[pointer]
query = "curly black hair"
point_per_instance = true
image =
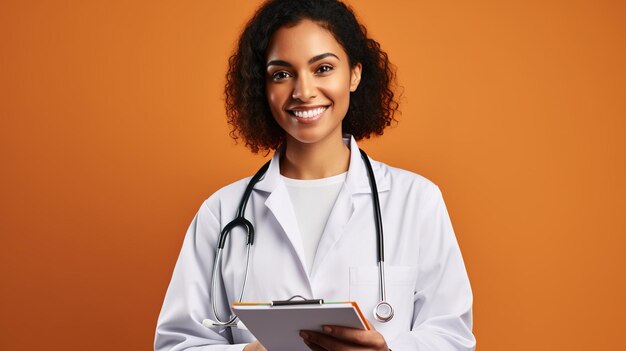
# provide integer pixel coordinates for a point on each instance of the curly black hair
(372, 105)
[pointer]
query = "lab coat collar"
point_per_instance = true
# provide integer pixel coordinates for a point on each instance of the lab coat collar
(356, 179)
(356, 183)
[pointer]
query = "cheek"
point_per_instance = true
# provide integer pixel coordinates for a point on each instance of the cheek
(339, 91)
(271, 97)
(276, 97)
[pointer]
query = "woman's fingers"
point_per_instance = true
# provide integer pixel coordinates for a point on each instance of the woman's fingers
(318, 342)
(341, 338)
(313, 346)
(369, 338)
(254, 346)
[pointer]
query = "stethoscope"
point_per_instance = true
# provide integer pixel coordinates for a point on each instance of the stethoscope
(383, 311)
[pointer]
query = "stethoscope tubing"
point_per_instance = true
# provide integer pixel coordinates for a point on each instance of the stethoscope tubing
(218, 256)
(240, 220)
(379, 226)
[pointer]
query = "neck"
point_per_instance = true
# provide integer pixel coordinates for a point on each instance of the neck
(316, 160)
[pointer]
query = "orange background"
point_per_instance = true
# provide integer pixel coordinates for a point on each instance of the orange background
(113, 133)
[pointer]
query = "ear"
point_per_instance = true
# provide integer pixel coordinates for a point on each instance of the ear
(355, 77)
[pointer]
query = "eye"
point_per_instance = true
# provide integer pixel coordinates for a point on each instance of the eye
(280, 75)
(325, 68)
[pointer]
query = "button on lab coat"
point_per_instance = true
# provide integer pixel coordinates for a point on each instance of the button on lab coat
(426, 280)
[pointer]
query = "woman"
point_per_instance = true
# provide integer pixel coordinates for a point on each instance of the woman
(307, 82)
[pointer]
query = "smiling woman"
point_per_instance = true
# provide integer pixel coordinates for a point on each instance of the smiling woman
(371, 106)
(307, 82)
(309, 93)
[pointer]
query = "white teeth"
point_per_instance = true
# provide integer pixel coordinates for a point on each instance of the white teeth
(309, 113)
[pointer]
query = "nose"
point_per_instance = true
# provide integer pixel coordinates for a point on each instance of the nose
(304, 88)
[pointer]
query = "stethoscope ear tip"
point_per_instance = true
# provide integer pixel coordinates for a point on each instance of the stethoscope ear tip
(208, 323)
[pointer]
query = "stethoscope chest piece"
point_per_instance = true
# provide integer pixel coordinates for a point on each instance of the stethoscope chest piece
(383, 312)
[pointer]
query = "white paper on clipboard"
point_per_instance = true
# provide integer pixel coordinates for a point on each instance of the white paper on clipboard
(278, 327)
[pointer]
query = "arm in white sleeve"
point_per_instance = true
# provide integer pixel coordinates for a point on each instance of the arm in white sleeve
(442, 316)
(187, 301)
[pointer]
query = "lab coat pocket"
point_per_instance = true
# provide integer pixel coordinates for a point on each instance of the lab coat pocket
(400, 289)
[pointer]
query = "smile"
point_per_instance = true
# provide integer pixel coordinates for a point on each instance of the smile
(312, 113)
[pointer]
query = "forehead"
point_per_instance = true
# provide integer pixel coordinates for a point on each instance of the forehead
(301, 42)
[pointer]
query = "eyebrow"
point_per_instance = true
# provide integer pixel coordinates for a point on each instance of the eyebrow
(313, 59)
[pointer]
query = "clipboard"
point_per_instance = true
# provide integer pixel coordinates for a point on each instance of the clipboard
(277, 324)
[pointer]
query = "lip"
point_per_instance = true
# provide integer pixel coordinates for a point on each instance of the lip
(305, 107)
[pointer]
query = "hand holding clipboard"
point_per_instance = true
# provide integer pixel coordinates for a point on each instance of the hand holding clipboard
(278, 325)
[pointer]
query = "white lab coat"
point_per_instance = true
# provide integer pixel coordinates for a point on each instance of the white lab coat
(426, 280)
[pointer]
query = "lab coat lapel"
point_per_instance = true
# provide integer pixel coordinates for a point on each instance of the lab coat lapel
(279, 204)
(339, 221)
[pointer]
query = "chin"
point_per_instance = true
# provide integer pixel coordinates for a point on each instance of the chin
(306, 138)
(311, 136)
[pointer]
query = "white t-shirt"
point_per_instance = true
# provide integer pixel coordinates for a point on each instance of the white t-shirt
(313, 200)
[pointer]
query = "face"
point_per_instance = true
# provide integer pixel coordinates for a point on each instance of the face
(308, 82)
